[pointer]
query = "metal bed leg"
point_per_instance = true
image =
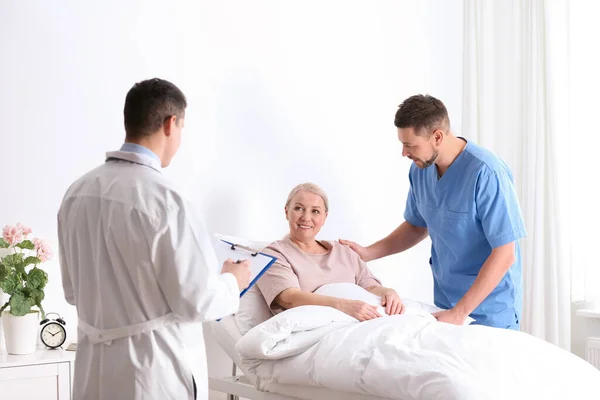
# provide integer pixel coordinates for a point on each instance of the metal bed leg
(233, 372)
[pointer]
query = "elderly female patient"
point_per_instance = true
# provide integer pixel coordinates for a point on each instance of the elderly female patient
(304, 263)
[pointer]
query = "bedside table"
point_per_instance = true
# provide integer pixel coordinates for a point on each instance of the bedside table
(43, 375)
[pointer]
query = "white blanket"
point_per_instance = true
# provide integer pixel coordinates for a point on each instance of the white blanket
(412, 356)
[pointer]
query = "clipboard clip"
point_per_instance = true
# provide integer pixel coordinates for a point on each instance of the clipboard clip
(252, 252)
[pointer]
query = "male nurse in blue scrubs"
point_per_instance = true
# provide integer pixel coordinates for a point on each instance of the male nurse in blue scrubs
(463, 197)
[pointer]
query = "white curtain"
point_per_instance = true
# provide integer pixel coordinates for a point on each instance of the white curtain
(585, 86)
(516, 103)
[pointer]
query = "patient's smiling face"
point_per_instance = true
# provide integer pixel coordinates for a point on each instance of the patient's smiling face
(306, 215)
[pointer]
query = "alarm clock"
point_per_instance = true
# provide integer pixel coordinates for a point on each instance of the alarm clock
(53, 333)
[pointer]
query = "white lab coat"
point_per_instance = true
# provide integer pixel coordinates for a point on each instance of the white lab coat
(138, 263)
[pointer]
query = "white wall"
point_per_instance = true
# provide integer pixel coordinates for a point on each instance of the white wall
(279, 93)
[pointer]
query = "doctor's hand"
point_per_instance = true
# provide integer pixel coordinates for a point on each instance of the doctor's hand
(359, 310)
(451, 316)
(240, 270)
(363, 252)
(392, 303)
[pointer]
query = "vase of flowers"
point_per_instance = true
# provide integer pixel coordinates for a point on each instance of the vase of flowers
(23, 282)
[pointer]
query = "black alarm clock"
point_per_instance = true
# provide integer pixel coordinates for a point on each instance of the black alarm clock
(53, 333)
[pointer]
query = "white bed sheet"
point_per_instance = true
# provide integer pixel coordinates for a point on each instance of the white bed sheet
(227, 334)
(410, 357)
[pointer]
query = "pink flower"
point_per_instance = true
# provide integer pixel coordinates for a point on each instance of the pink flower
(26, 231)
(44, 252)
(12, 235)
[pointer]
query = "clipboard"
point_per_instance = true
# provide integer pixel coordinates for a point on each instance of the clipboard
(259, 262)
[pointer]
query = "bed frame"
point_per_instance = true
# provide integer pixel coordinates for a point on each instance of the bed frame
(236, 386)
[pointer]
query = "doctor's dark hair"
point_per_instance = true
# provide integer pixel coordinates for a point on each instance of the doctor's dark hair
(423, 113)
(149, 104)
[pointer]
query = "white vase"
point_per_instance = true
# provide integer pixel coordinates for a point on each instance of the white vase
(20, 333)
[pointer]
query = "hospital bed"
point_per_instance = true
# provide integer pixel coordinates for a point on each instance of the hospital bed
(226, 333)
(544, 371)
(417, 366)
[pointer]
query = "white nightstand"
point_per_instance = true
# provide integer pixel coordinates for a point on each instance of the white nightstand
(43, 375)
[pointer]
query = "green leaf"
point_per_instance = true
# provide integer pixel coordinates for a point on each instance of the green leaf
(20, 270)
(37, 296)
(3, 308)
(10, 284)
(3, 244)
(13, 260)
(3, 272)
(31, 260)
(20, 305)
(37, 278)
(26, 244)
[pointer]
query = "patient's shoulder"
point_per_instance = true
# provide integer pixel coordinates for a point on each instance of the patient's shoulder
(278, 245)
(335, 244)
(345, 251)
(278, 249)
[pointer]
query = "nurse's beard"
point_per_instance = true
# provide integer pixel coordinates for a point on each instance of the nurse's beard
(429, 162)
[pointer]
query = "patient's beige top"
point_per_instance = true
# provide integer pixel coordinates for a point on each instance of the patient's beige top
(296, 269)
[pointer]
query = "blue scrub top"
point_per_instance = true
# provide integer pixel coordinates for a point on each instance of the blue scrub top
(470, 210)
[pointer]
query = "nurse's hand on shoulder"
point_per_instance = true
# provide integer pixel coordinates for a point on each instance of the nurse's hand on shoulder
(451, 316)
(392, 303)
(358, 309)
(241, 271)
(363, 252)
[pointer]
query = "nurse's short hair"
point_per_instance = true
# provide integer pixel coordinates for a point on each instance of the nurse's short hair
(311, 188)
(149, 104)
(423, 113)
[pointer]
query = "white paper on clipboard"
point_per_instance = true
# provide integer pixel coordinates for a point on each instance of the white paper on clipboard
(259, 262)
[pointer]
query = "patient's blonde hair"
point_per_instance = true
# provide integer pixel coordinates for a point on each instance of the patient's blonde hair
(311, 188)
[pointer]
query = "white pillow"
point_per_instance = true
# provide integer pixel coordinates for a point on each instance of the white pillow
(254, 309)
(351, 291)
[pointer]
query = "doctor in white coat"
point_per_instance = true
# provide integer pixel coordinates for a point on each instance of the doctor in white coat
(138, 263)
